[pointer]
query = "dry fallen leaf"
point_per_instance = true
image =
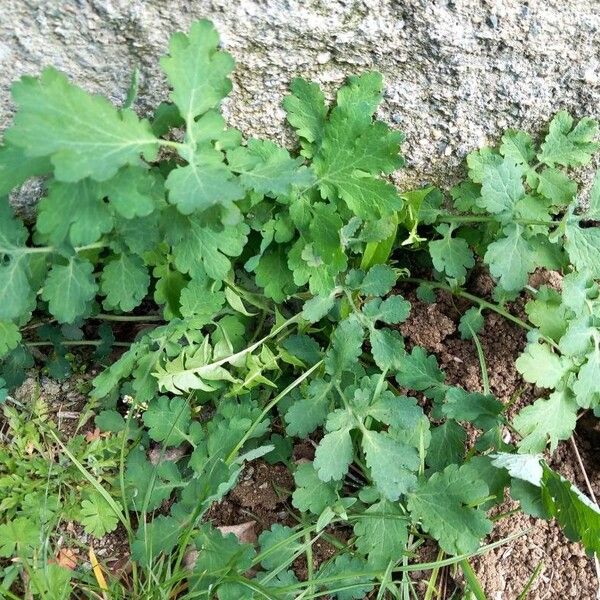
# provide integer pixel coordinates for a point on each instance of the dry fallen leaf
(66, 558)
(92, 436)
(159, 454)
(244, 532)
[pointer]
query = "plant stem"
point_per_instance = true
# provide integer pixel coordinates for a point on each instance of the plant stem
(128, 319)
(77, 343)
(310, 568)
(172, 144)
(430, 591)
(484, 219)
(485, 380)
(50, 249)
(474, 585)
(524, 594)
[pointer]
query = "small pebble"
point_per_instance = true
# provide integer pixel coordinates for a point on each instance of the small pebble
(323, 57)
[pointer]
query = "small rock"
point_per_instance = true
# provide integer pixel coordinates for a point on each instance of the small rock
(244, 532)
(590, 75)
(323, 58)
(492, 21)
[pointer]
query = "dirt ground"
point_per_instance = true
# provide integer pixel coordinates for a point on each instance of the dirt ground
(504, 572)
(262, 497)
(566, 571)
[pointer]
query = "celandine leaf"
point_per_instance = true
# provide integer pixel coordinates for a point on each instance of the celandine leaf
(84, 135)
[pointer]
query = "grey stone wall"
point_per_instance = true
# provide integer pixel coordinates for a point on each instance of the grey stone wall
(457, 71)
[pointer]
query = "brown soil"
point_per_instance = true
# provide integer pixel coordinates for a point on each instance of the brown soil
(263, 493)
(261, 496)
(504, 572)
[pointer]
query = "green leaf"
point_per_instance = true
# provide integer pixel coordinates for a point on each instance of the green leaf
(18, 537)
(266, 168)
(197, 70)
(312, 494)
(578, 516)
(392, 463)
(152, 539)
(421, 373)
(496, 479)
(471, 322)
(593, 208)
(277, 546)
(387, 348)
(556, 186)
(147, 486)
(53, 581)
(577, 339)
(110, 420)
(355, 151)
(583, 246)
(465, 197)
(69, 289)
(198, 299)
(392, 310)
(325, 232)
(15, 366)
(16, 168)
(447, 445)
(529, 498)
(451, 255)
(168, 420)
(587, 385)
(317, 307)
(210, 248)
(539, 365)
(303, 347)
(124, 282)
(97, 516)
(568, 145)
(13, 233)
(202, 183)
(526, 467)
(10, 336)
(74, 212)
(382, 534)
(546, 421)
(134, 191)
(334, 455)
(502, 187)
(354, 587)
(517, 146)
(218, 555)
(510, 259)
(547, 494)
(84, 135)
(547, 313)
(306, 414)
(346, 347)
(367, 198)
(306, 112)
(445, 506)
(16, 295)
(379, 281)
(273, 275)
(480, 160)
(578, 288)
(481, 410)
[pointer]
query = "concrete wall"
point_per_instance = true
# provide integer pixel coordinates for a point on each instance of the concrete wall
(457, 71)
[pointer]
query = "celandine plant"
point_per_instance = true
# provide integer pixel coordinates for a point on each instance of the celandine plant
(265, 283)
